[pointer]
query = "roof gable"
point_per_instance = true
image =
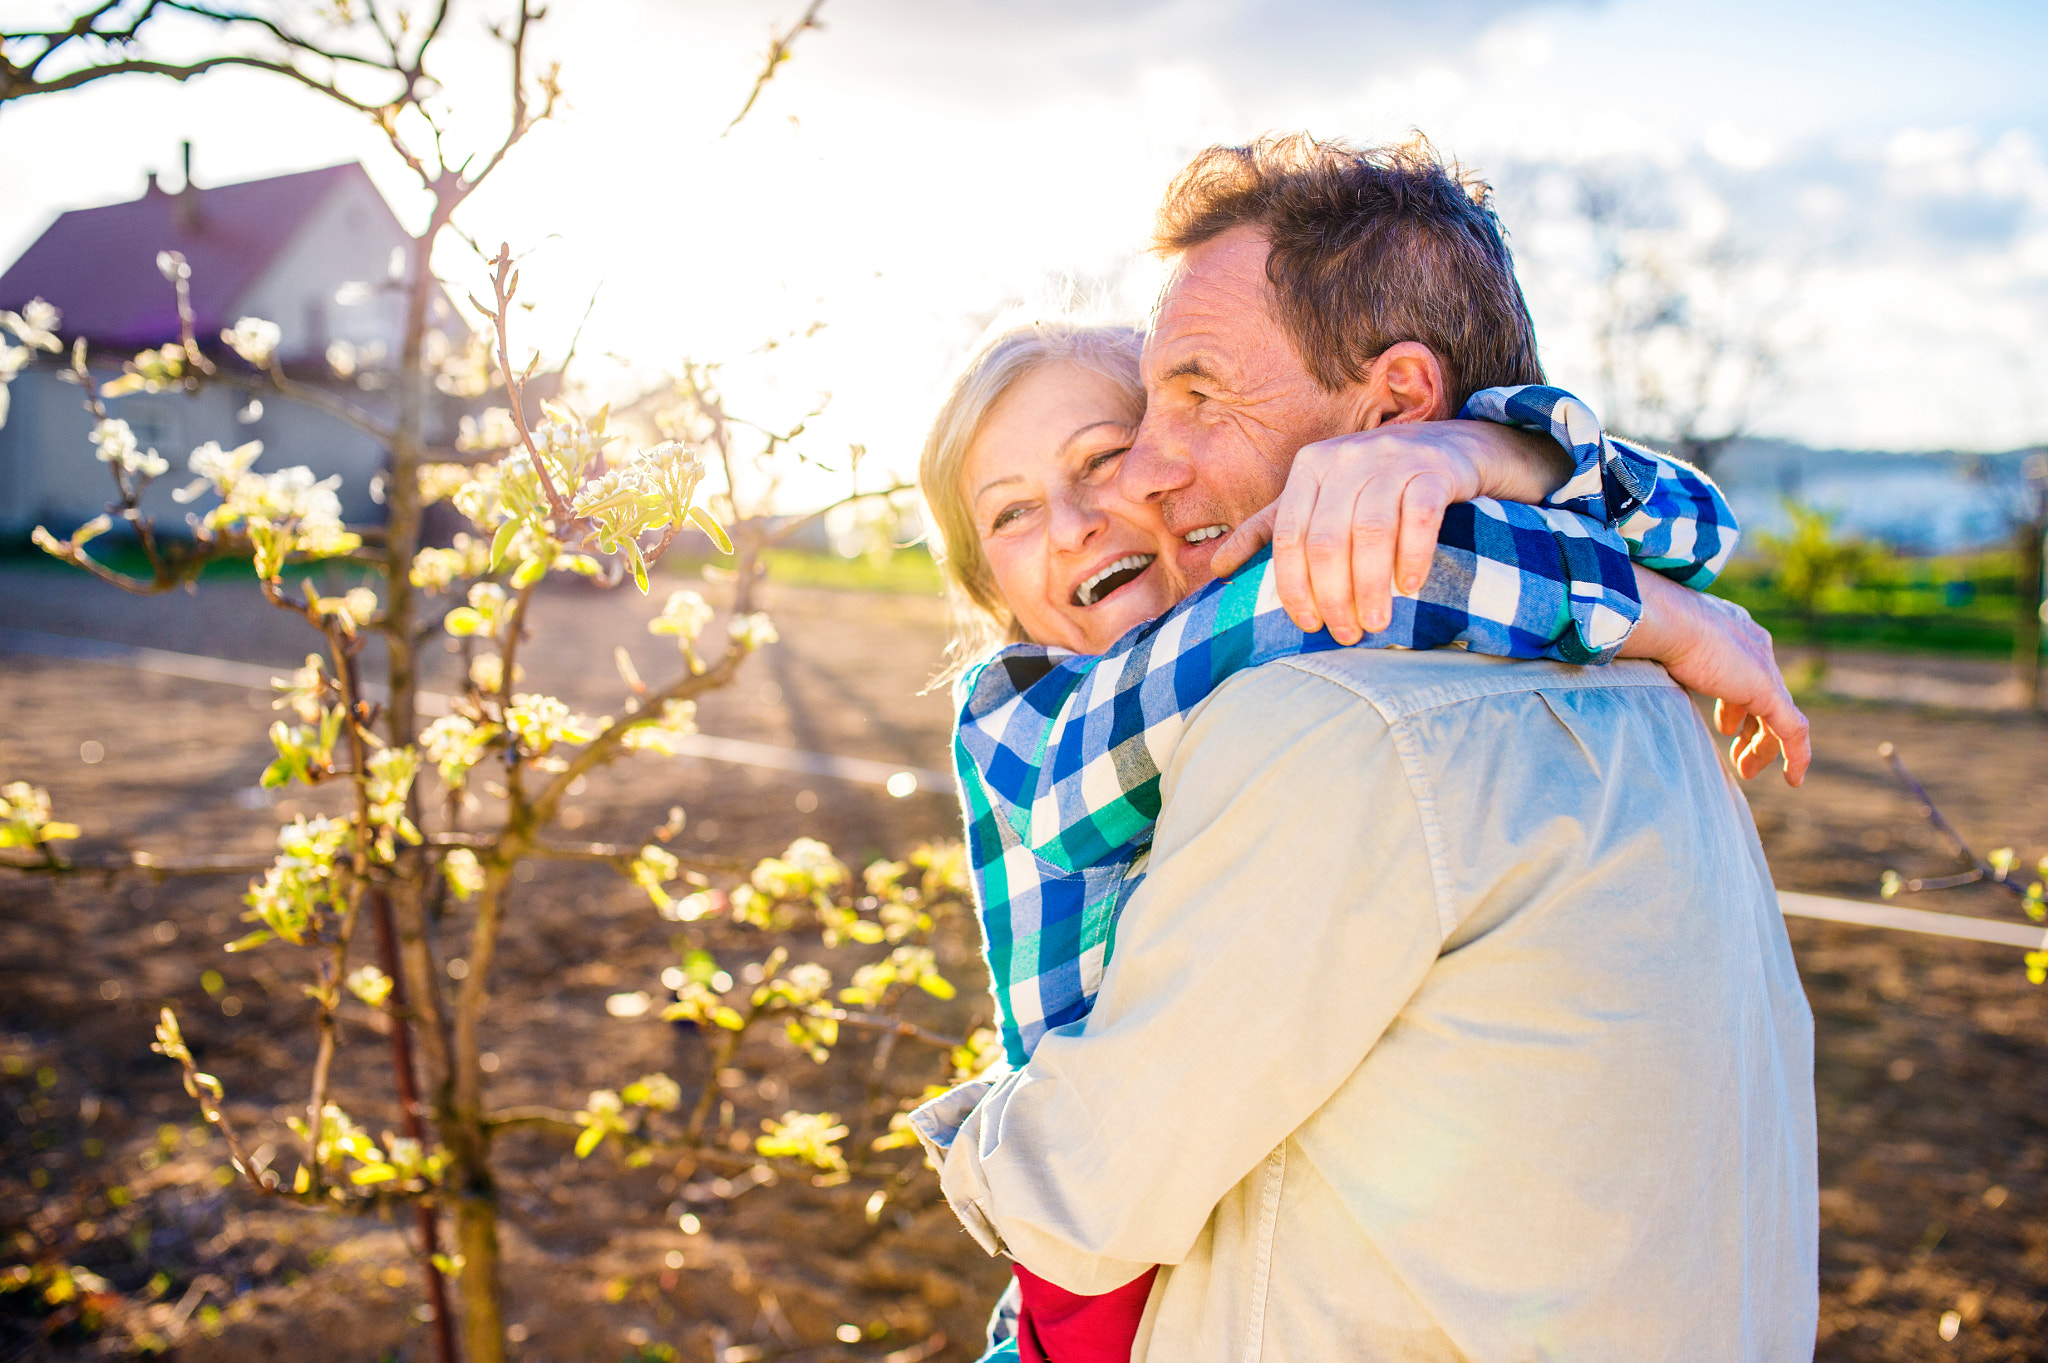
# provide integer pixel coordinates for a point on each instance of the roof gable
(98, 265)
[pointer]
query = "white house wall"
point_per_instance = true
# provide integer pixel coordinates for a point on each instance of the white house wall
(348, 239)
(48, 475)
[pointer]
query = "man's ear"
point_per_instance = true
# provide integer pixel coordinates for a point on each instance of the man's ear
(1406, 383)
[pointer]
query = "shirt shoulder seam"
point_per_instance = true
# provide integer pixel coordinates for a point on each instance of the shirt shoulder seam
(1414, 772)
(1507, 679)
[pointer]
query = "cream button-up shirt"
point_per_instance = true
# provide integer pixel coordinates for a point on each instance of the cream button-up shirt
(1455, 1019)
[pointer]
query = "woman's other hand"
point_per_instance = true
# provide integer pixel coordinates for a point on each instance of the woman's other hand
(1712, 647)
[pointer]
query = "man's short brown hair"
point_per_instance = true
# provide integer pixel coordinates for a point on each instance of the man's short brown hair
(1369, 248)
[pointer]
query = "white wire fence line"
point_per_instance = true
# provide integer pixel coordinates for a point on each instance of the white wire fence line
(904, 781)
(897, 780)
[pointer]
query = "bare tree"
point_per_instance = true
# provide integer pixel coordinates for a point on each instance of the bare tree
(1683, 354)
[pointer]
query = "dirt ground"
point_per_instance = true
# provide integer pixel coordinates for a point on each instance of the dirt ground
(1931, 1052)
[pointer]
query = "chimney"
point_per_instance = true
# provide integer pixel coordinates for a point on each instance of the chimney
(154, 188)
(188, 197)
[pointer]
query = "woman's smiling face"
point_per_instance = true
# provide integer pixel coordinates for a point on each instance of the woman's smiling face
(1077, 564)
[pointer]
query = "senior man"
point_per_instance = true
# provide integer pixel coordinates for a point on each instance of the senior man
(1455, 1018)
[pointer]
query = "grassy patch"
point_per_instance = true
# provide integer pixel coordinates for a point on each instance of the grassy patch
(1957, 604)
(906, 572)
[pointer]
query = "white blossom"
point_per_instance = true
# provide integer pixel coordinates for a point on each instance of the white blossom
(118, 445)
(684, 616)
(218, 468)
(286, 495)
(678, 721)
(369, 984)
(463, 872)
(494, 430)
(254, 339)
(753, 631)
(35, 325)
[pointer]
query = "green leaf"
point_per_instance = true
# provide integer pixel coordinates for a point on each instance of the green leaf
(501, 542)
(529, 572)
(591, 1138)
(712, 528)
(330, 729)
(254, 939)
(374, 1173)
(938, 986)
(277, 773)
(639, 564)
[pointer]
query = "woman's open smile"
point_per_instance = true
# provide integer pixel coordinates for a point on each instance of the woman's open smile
(1077, 564)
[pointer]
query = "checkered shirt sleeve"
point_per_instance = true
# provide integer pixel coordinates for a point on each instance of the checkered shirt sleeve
(1671, 516)
(1059, 754)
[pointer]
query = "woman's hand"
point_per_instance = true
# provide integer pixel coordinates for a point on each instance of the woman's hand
(1361, 513)
(1712, 646)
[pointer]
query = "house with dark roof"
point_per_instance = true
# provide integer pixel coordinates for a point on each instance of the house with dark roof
(319, 253)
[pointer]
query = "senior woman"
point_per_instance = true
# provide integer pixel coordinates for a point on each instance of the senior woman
(1079, 651)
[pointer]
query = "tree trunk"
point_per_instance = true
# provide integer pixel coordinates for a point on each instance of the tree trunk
(476, 1240)
(402, 487)
(2026, 633)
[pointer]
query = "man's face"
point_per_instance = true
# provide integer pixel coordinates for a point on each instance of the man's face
(1228, 402)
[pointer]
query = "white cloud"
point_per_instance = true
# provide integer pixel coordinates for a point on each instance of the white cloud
(922, 164)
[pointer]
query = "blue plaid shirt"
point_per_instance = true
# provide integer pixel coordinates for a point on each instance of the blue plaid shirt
(1059, 754)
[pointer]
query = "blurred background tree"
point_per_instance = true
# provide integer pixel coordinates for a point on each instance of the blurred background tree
(1685, 346)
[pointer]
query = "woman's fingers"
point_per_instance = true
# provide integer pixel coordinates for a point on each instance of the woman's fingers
(1291, 517)
(1755, 748)
(1240, 544)
(1423, 503)
(1774, 728)
(1791, 733)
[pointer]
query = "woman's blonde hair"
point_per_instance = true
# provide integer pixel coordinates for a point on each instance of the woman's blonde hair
(982, 619)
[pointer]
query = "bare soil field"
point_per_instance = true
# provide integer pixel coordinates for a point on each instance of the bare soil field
(1931, 1053)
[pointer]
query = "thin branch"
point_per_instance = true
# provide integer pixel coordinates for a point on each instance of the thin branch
(504, 284)
(158, 868)
(606, 745)
(783, 532)
(779, 51)
(522, 122)
(229, 18)
(873, 1022)
(1984, 870)
(307, 395)
(11, 89)
(530, 1115)
(620, 855)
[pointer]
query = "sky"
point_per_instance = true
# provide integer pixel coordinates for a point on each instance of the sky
(1865, 186)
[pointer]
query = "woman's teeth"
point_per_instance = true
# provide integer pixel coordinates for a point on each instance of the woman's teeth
(1207, 532)
(1109, 579)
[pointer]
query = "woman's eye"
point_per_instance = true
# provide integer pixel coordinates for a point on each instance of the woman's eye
(1106, 460)
(1006, 516)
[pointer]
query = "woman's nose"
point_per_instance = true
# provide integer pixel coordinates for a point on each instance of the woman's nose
(1076, 519)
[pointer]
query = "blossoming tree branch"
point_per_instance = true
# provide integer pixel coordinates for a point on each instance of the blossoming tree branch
(561, 492)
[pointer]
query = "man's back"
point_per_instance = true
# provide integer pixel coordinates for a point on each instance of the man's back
(1589, 1132)
(1477, 969)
